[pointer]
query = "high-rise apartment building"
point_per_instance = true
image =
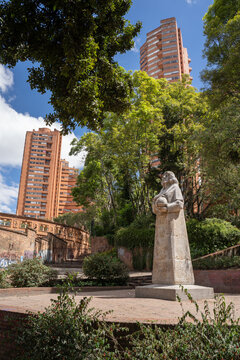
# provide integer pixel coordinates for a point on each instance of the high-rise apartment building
(163, 54)
(44, 179)
(68, 177)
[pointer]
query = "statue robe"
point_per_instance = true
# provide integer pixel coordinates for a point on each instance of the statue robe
(171, 261)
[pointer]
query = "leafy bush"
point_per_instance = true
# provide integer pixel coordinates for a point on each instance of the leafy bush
(139, 238)
(217, 262)
(4, 283)
(105, 224)
(66, 330)
(142, 259)
(108, 222)
(30, 272)
(140, 233)
(72, 331)
(211, 235)
(103, 266)
(211, 337)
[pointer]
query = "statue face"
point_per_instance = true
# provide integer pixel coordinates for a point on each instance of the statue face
(165, 179)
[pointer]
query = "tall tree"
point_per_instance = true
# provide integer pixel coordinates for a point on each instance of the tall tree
(220, 144)
(118, 156)
(221, 137)
(73, 44)
(183, 113)
(222, 50)
(118, 166)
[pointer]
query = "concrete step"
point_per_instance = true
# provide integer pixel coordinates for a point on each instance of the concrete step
(140, 280)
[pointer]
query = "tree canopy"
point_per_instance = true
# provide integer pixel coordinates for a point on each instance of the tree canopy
(221, 138)
(222, 50)
(119, 173)
(72, 45)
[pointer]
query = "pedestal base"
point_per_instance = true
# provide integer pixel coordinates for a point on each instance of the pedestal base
(170, 292)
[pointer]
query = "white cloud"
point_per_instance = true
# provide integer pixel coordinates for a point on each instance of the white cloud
(74, 161)
(8, 196)
(13, 127)
(135, 47)
(190, 2)
(6, 78)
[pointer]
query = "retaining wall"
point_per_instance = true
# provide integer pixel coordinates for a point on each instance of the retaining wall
(223, 281)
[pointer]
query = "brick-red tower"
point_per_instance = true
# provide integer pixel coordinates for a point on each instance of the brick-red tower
(45, 179)
(163, 54)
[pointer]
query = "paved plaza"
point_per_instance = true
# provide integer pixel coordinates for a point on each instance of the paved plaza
(126, 308)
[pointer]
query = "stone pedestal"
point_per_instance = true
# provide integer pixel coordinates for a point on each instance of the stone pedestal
(170, 292)
(171, 261)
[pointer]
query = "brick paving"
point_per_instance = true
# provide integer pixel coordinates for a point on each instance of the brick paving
(125, 307)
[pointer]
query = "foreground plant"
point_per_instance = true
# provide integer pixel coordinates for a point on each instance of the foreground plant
(67, 330)
(216, 335)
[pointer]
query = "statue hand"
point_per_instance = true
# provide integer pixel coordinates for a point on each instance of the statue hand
(163, 209)
(175, 206)
(160, 210)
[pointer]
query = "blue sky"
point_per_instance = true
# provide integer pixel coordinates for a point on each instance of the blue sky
(23, 109)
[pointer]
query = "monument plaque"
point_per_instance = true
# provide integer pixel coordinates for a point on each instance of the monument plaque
(172, 265)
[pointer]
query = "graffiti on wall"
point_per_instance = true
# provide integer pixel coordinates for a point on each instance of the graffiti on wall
(28, 254)
(4, 263)
(45, 255)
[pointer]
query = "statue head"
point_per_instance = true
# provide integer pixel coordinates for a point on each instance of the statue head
(168, 179)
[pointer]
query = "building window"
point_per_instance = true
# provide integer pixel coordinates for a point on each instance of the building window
(154, 33)
(169, 57)
(169, 36)
(167, 32)
(154, 52)
(173, 78)
(169, 46)
(5, 222)
(153, 57)
(169, 42)
(155, 72)
(170, 62)
(170, 73)
(169, 51)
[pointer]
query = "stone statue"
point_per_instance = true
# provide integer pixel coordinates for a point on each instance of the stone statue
(172, 261)
(170, 198)
(172, 264)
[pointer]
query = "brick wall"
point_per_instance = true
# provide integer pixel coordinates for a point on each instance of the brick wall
(9, 325)
(223, 281)
(99, 244)
(16, 245)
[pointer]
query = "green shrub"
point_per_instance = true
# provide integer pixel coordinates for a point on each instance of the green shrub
(139, 234)
(212, 337)
(211, 235)
(66, 330)
(30, 272)
(217, 262)
(71, 331)
(4, 283)
(105, 267)
(142, 259)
